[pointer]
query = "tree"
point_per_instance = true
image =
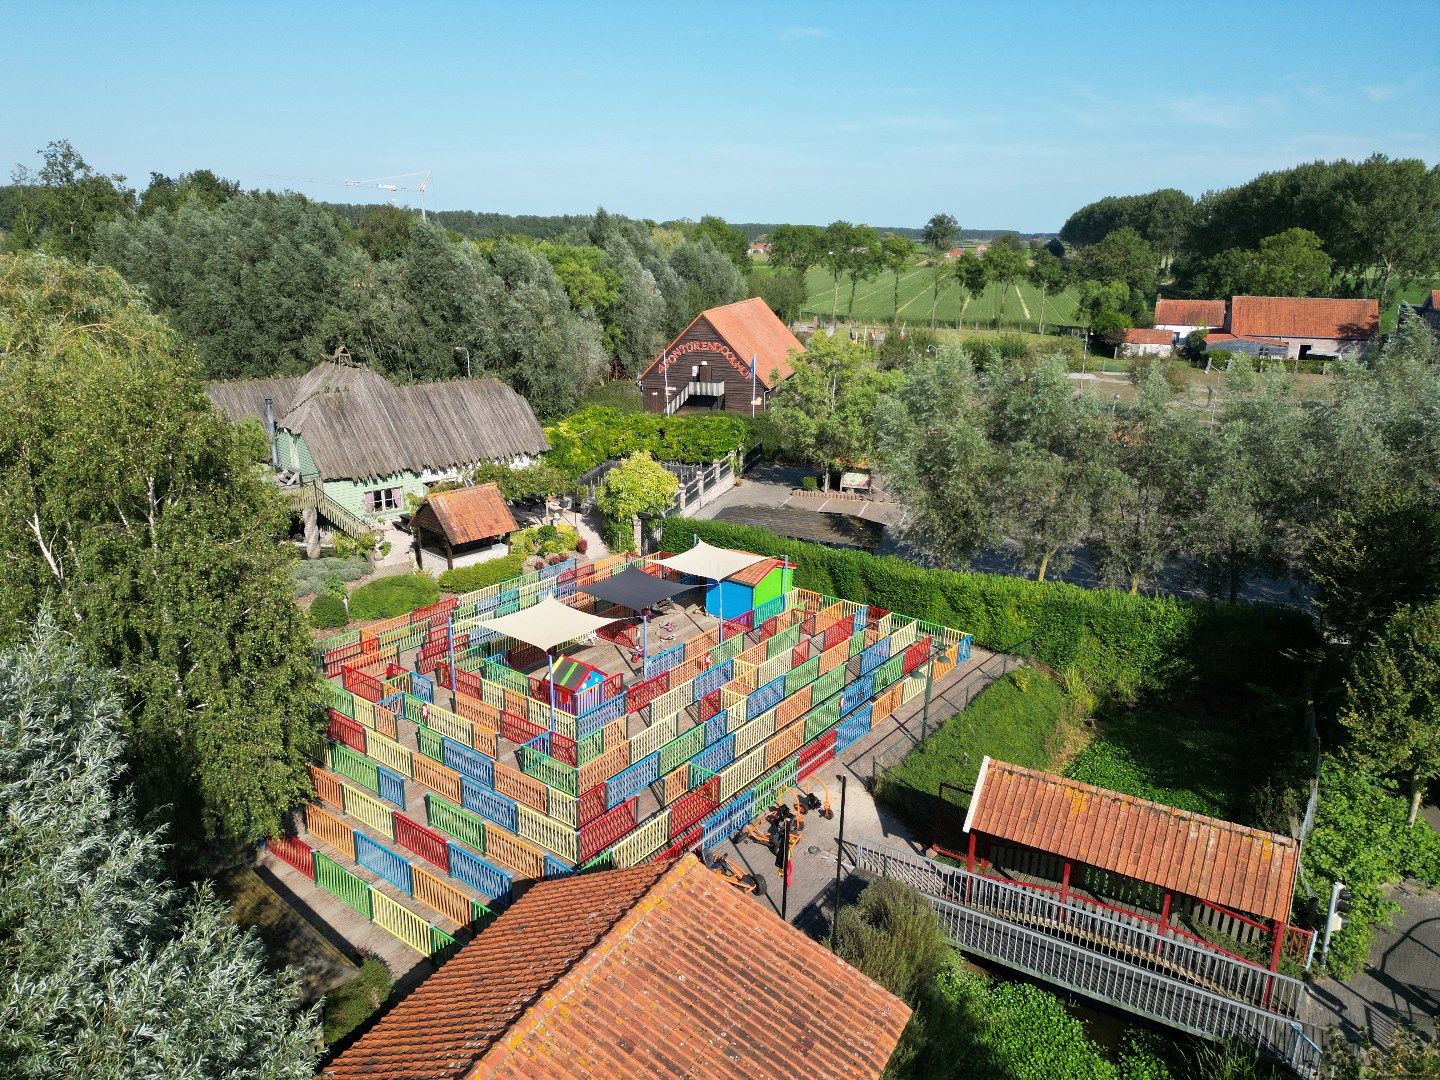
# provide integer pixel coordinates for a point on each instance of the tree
(1004, 265)
(784, 292)
(824, 411)
(1162, 218)
(839, 238)
(707, 278)
(639, 488)
(201, 186)
(383, 232)
(1046, 505)
(797, 247)
(136, 979)
(1392, 700)
(66, 202)
(973, 275)
(135, 511)
(940, 233)
(1045, 274)
(863, 260)
(1369, 561)
(1291, 263)
(931, 447)
(1102, 306)
(1122, 255)
(896, 252)
(728, 240)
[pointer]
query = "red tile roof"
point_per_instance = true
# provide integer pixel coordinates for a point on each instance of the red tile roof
(466, 515)
(754, 573)
(1303, 317)
(1435, 299)
(1241, 868)
(1190, 312)
(1140, 335)
(660, 970)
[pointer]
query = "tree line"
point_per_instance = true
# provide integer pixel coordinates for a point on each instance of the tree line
(267, 284)
(1344, 228)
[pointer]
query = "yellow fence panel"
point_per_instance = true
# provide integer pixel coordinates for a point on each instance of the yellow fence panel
(544, 830)
(643, 842)
(389, 753)
(370, 811)
(652, 738)
(400, 921)
(564, 808)
(741, 773)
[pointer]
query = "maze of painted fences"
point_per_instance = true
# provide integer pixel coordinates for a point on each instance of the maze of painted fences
(696, 761)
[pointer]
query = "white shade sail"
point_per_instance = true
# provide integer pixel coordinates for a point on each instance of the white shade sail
(714, 563)
(546, 624)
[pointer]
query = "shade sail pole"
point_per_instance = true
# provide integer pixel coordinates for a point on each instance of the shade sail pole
(645, 644)
(454, 682)
(720, 591)
(550, 678)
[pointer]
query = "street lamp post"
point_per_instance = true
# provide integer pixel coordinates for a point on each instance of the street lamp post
(463, 349)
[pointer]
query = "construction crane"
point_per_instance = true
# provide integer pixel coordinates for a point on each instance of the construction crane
(385, 183)
(380, 183)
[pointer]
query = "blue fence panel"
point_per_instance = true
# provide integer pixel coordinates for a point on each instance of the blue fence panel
(489, 804)
(628, 781)
(874, 656)
(769, 609)
(716, 757)
(856, 693)
(852, 727)
(767, 697)
(666, 659)
(422, 686)
(395, 703)
(392, 786)
(962, 649)
(477, 873)
(379, 858)
(711, 679)
(556, 868)
(727, 821)
(590, 722)
(466, 761)
(862, 617)
(716, 727)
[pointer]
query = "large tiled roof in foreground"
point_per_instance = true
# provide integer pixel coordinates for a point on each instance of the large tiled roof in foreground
(1304, 317)
(1241, 868)
(663, 969)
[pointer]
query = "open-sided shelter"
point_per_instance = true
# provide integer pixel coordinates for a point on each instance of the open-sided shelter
(548, 625)
(466, 524)
(633, 588)
(663, 969)
(714, 564)
(730, 357)
(1187, 857)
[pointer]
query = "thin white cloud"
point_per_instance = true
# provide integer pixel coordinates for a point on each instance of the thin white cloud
(803, 33)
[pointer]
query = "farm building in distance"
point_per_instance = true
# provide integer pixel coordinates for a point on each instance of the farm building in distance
(657, 970)
(1428, 312)
(1140, 341)
(360, 444)
(1182, 317)
(708, 365)
(1305, 325)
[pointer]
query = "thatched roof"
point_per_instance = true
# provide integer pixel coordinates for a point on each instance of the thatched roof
(357, 425)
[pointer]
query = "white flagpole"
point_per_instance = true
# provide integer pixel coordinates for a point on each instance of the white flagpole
(752, 386)
(665, 370)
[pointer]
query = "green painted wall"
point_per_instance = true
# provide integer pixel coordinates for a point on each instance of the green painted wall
(773, 584)
(351, 494)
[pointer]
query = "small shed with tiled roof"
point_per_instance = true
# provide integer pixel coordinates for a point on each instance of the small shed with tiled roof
(708, 365)
(1185, 856)
(462, 523)
(1143, 341)
(1183, 316)
(662, 969)
(747, 589)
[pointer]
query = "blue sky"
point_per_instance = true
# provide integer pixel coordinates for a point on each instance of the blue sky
(1004, 114)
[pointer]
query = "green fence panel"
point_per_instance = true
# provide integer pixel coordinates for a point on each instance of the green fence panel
(429, 743)
(682, 749)
(889, 673)
(543, 767)
(800, 676)
(354, 766)
(590, 747)
(455, 821)
(342, 884)
(829, 684)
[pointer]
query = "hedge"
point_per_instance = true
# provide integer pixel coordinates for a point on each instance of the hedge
(1121, 645)
(327, 612)
(390, 596)
(465, 579)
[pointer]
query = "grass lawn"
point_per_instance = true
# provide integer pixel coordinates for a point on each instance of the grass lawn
(1019, 719)
(875, 300)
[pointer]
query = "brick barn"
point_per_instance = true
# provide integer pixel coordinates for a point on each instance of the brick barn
(707, 366)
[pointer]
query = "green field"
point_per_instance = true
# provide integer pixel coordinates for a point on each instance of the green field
(875, 301)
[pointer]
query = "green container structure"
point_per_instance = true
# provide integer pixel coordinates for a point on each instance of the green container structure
(748, 589)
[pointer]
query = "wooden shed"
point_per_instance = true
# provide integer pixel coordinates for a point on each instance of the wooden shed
(748, 589)
(708, 366)
(469, 521)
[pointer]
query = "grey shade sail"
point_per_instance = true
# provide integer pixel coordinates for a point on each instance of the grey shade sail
(633, 588)
(706, 561)
(546, 624)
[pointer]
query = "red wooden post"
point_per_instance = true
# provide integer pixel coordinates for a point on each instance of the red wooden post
(1065, 884)
(1278, 931)
(970, 857)
(1164, 918)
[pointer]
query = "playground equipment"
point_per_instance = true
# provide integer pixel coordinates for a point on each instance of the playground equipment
(810, 801)
(771, 828)
(747, 882)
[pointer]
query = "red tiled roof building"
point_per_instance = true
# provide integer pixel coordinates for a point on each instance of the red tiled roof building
(708, 363)
(663, 969)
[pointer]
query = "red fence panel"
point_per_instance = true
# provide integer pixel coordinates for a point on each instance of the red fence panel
(642, 693)
(710, 704)
(362, 683)
(518, 729)
(347, 731)
(689, 809)
(815, 755)
(592, 803)
(296, 852)
(607, 828)
(916, 655)
(425, 842)
(683, 844)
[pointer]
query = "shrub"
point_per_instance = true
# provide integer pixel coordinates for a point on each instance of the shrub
(387, 597)
(597, 434)
(464, 579)
(311, 575)
(351, 1004)
(545, 540)
(809, 483)
(1120, 645)
(328, 612)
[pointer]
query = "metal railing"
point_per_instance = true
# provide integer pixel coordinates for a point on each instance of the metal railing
(1173, 982)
